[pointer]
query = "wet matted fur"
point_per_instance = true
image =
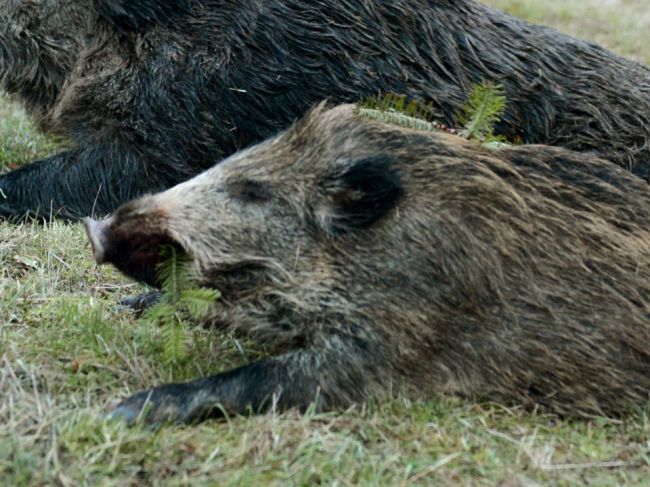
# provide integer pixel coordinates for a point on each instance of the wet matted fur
(152, 92)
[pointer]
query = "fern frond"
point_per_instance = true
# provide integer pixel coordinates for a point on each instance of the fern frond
(496, 142)
(174, 272)
(198, 302)
(484, 108)
(173, 338)
(393, 109)
(157, 313)
(180, 301)
(396, 118)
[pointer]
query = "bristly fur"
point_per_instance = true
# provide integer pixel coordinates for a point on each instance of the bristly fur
(519, 275)
(152, 92)
(132, 16)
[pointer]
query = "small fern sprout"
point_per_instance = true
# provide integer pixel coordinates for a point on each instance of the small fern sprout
(484, 108)
(394, 110)
(181, 302)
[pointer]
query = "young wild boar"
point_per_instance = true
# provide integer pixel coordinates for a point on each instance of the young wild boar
(384, 260)
(154, 91)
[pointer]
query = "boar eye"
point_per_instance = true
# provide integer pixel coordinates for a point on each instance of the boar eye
(250, 191)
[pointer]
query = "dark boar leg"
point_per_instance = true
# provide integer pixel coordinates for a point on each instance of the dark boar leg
(334, 377)
(80, 182)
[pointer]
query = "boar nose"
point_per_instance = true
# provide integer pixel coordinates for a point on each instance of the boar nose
(97, 232)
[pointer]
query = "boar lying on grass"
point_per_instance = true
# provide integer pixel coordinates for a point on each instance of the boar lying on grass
(385, 260)
(152, 92)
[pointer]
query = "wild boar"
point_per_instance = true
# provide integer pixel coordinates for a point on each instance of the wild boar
(150, 93)
(380, 260)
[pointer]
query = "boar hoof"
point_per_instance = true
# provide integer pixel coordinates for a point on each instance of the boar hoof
(155, 406)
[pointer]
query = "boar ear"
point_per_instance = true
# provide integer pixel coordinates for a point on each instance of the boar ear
(361, 195)
(129, 15)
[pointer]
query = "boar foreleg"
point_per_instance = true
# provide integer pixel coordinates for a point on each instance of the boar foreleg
(93, 180)
(325, 378)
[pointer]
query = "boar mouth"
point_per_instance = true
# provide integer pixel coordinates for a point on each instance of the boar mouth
(136, 250)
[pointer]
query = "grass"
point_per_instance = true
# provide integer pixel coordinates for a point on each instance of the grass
(20, 143)
(621, 25)
(67, 353)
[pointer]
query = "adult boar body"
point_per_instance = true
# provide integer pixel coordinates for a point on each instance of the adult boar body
(150, 93)
(378, 260)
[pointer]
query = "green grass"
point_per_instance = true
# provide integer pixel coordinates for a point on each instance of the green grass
(67, 354)
(19, 141)
(620, 25)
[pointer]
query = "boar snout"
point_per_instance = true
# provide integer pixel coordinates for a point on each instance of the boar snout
(97, 231)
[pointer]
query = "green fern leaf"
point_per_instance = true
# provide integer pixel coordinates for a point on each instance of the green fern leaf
(180, 301)
(198, 302)
(393, 110)
(484, 108)
(173, 335)
(174, 272)
(157, 313)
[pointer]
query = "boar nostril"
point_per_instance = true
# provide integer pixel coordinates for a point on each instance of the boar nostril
(96, 231)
